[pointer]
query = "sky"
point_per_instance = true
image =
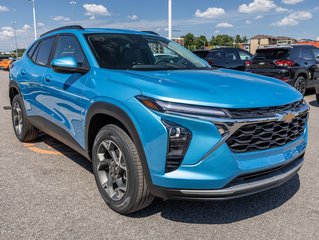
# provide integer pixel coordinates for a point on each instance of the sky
(293, 18)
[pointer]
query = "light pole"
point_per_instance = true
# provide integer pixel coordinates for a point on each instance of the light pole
(73, 3)
(170, 19)
(34, 20)
(15, 32)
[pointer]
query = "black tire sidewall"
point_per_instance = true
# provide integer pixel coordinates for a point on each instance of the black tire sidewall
(129, 199)
(301, 78)
(22, 135)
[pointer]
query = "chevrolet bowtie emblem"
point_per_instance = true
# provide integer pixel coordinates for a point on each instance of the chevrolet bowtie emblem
(288, 117)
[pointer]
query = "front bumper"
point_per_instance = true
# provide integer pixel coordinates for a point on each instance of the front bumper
(258, 182)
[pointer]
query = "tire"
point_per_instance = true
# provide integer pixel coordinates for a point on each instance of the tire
(301, 84)
(317, 97)
(23, 129)
(120, 180)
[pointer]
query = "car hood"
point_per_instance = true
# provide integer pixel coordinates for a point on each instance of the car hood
(218, 88)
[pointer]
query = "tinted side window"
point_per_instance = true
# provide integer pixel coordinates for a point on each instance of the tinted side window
(244, 56)
(44, 51)
(216, 54)
(201, 54)
(68, 46)
(231, 55)
(316, 53)
(307, 54)
(32, 49)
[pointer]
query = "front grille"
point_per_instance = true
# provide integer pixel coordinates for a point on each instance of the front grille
(266, 135)
(264, 111)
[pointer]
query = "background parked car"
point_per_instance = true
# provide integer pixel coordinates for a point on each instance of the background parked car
(5, 63)
(295, 64)
(232, 58)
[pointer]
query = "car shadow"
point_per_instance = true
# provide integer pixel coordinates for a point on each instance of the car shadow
(222, 212)
(314, 103)
(64, 150)
(197, 212)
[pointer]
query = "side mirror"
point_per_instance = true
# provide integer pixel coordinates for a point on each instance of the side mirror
(66, 65)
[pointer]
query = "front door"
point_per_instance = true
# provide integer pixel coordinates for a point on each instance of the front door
(64, 91)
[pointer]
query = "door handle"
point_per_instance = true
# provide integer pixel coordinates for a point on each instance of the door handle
(23, 72)
(48, 78)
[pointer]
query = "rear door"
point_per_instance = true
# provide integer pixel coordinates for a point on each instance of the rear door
(63, 92)
(308, 60)
(216, 58)
(316, 70)
(232, 59)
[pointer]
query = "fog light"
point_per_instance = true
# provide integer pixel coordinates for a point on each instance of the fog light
(178, 142)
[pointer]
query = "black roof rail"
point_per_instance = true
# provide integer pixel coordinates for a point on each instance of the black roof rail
(76, 27)
(151, 32)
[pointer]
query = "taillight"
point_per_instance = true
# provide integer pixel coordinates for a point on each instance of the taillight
(284, 63)
(210, 62)
(248, 63)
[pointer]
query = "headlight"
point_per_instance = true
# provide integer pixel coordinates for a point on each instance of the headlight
(179, 108)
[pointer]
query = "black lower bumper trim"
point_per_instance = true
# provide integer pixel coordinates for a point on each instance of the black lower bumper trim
(253, 186)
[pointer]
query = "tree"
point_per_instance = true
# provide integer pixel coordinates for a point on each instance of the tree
(189, 40)
(20, 52)
(222, 40)
(201, 42)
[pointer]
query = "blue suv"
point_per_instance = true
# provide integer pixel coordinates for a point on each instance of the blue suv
(155, 119)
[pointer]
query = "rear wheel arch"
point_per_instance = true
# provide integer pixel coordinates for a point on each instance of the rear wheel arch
(13, 90)
(108, 113)
(302, 73)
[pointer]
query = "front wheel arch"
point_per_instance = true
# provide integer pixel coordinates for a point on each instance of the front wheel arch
(122, 119)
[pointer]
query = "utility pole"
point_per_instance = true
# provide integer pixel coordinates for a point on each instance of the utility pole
(170, 19)
(15, 32)
(73, 3)
(34, 20)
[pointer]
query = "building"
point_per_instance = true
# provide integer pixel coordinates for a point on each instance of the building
(261, 40)
(245, 46)
(179, 41)
(264, 40)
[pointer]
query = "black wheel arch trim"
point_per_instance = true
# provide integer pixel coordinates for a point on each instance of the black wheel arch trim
(120, 115)
(301, 71)
(14, 85)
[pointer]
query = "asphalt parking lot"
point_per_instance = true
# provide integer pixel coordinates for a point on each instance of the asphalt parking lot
(47, 191)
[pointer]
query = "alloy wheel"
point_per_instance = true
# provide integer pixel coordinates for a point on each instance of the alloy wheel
(301, 85)
(112, 171)
(17, 118)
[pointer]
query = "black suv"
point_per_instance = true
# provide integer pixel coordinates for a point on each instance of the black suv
(232, 58)
(295, 64)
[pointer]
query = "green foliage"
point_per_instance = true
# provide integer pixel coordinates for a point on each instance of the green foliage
(192, 42)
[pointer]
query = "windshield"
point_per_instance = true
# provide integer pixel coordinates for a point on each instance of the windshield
(142, 52)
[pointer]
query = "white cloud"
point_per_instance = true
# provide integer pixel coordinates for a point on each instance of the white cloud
(210, 13)
(292, 1)
(133, 17)
(60, 18)
(26, 27)
(257, 6)
(293, 19)
(40, 25)
(217, 31)
(95, 9)
(248, 22)
(259, 17)
(224, 25)
(281, 9)
(7, 28)
(4, 8)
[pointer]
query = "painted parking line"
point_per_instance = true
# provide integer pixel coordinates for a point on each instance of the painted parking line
(50, 147)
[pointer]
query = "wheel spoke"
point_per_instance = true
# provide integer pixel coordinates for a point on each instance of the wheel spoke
(112, 169)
